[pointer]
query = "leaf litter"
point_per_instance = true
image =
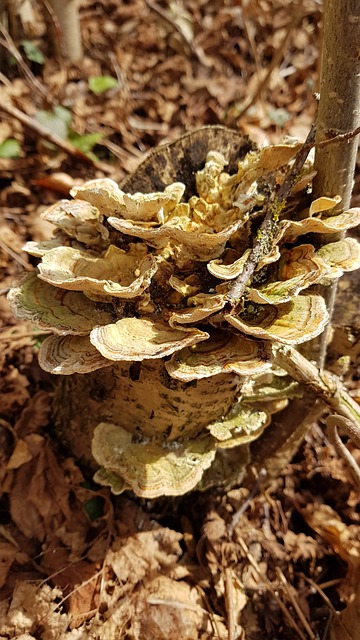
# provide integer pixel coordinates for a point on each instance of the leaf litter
(74, 561)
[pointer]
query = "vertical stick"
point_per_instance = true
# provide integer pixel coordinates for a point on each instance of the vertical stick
(339, 106)
(339, 112)
(67, 12)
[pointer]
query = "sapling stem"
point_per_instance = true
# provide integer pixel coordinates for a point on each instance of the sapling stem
(338, 113)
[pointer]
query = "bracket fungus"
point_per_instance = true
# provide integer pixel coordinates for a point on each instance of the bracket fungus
(163, 383)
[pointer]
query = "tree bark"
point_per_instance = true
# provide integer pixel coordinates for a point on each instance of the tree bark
(339, 112)
(68, 16)
(339, 106)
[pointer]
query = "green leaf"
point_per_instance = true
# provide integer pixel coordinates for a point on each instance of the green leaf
(279, 116)
(100, 84)
(32, 52)
(94, 507)
(57, 120)
(85, 143)
(10, 148)
(64, 114)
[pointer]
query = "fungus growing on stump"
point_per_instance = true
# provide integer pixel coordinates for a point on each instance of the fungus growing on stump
(160, 372)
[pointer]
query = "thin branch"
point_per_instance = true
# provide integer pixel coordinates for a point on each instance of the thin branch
(274, 592)
(7, 42)
(291, 593)
(46, 134)
(323, 384)
(339, 137)
(270, 223)
(332, 424)
(229, 599)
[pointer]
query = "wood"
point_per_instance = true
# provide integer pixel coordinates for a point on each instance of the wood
(338, 114)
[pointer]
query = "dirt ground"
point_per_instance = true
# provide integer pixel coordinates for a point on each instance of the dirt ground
(76, 562)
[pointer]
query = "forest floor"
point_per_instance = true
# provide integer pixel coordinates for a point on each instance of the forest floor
(76, 562)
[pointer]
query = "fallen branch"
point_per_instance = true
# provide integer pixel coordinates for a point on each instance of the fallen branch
(46, 134)
(264, 241)
(324, 385)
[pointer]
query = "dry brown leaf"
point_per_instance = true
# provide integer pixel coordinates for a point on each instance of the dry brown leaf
(347, 625)
(9, 553)
(41, 502)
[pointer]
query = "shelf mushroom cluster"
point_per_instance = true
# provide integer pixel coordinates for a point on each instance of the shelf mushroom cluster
(144, 278)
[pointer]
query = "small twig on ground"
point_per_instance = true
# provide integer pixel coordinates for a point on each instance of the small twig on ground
(229, 599)
(236, 517)
(332, 424)
(269, 586)
(292, 597)
(53, 24)
(18, 258)
(7, 42)
(270, 223)
(42, 132)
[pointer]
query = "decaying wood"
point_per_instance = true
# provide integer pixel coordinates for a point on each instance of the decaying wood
(270, 223)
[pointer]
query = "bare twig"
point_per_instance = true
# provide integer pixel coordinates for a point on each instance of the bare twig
(236, 517)
(263, 242)
(292, 597)
(15, 256)
(323, 384)
(269, 586)
(332, 424)
(55, 30)
(229, 598)
(339, 137)
(45, 133)
(7, 42)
